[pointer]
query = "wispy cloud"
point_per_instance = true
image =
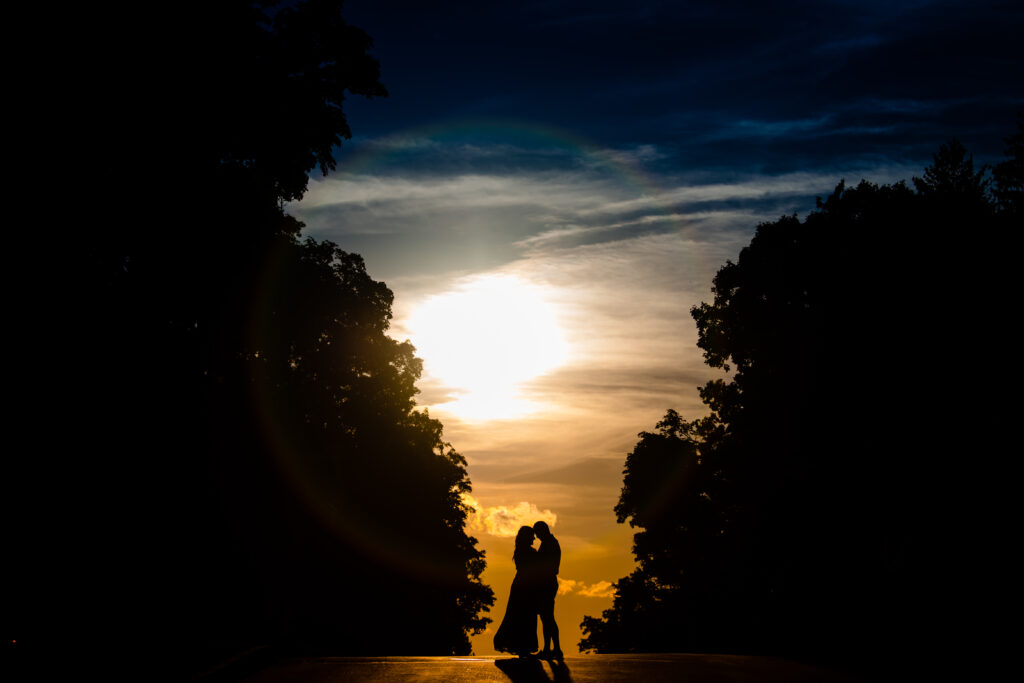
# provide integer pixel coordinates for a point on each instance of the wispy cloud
(724, 219)
(850, 44)
(475, 190)
(526, 211)
(748, 188)
(561, 192)
(634, 156)
(773, 129)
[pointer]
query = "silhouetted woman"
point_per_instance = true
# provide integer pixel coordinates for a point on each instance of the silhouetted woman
(518, 631)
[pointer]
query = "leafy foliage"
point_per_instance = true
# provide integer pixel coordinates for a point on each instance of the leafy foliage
(253, 470)
(809, 513)
(665, 485)
(337, 396)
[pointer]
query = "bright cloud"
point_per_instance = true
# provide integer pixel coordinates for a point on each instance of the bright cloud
(601, 589)
(505, 520)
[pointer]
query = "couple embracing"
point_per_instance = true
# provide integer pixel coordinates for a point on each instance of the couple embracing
(532, 595)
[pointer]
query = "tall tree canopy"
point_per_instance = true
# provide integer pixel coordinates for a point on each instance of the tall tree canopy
(240, 461)
(1009, 173)
(814, 512)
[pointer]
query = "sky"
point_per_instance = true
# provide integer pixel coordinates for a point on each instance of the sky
(551, 186)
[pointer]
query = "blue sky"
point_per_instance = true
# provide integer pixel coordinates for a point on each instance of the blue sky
(611, 157)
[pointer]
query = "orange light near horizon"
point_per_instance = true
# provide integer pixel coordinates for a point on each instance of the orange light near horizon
(483, 340)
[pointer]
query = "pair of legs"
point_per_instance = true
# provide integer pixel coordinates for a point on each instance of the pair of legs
(550, 628)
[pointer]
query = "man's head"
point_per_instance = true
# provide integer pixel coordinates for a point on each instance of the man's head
(542, 531)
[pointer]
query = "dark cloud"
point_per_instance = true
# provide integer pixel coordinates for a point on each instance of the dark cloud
(815, 79)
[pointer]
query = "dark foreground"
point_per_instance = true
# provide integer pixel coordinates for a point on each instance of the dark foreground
(647, 668)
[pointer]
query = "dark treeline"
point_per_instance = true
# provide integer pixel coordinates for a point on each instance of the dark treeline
(842, 501)
(225, 452)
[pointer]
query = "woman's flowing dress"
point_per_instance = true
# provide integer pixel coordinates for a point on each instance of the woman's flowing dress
(518, 631)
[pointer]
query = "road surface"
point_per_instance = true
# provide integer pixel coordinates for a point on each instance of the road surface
(647, 668)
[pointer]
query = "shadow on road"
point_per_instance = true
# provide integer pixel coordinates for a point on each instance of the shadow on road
(529, 670)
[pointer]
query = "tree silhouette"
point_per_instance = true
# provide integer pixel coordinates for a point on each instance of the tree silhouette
(665, 493)
(341, 392)
(952, 175)
(1009, 173)
(233, 458)
(810, 514)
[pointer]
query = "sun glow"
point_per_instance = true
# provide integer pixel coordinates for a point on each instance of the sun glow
(483, 340)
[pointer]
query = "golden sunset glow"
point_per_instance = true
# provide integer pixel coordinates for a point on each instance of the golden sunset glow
(483, 340)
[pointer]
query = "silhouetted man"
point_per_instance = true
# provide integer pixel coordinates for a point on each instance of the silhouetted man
(549, 556)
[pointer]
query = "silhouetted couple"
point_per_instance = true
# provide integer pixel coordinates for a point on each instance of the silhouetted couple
(532, 595)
